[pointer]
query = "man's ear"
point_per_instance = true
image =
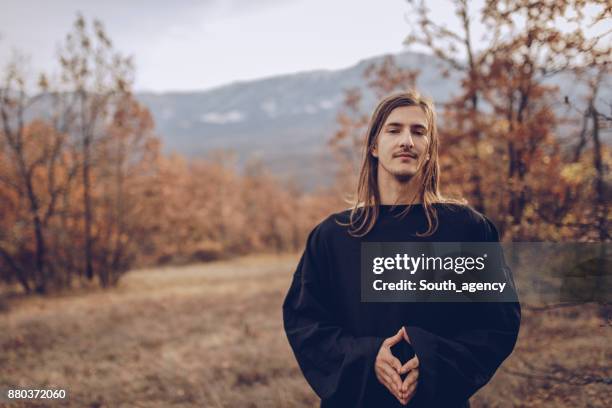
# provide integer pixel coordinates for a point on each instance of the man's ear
(374, 151)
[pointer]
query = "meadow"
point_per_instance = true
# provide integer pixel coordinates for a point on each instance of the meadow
(210, 335)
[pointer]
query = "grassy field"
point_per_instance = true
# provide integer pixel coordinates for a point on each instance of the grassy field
(210, 335)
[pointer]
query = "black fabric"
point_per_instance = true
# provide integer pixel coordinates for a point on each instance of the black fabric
(404, 352)
(335, 337)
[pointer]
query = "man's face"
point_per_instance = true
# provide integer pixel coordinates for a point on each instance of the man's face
(401, 145)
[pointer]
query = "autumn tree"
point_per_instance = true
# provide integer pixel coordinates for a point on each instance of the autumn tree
(96, 77)
(35, 172)
(127, 160)
(73, 157)
(530, 47)
(504, 144)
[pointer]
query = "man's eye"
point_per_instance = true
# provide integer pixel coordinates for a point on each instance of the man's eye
(394, 131)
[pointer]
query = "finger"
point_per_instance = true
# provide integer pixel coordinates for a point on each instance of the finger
(410, 365)
(407, 396)
(412, 387)
(393, 375)
(401, 398)
(394, 339)
(385, 380)
(383, 376)
(395, 363)
(410, 379)
(405, 334)
(388, 358)
(411, 391)
(388, 383)
(404, 398)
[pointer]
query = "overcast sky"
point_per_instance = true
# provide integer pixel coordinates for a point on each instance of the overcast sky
(192, 45)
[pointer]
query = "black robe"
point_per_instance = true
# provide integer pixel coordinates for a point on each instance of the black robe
(335, 337)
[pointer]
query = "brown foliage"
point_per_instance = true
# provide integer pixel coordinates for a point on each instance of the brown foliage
(504, 146)
(86, 193)
(204, 209)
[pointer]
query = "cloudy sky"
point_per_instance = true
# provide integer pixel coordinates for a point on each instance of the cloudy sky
(189, 45)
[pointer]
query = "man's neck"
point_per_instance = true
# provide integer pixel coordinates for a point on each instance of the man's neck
(398, 191)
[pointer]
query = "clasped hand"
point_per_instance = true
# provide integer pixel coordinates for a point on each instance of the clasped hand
(388, 369)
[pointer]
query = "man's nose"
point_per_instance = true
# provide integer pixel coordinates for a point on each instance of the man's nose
(406, 141)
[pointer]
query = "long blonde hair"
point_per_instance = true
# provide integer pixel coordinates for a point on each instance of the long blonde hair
(367, 196)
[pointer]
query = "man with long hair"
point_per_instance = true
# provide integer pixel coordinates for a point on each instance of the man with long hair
(360, 354)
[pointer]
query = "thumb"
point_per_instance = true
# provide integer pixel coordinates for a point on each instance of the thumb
(395, 339)
(405, 334)
(395, 363)
(410, 364)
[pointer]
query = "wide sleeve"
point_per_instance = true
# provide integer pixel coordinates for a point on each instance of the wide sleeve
(454, 366)
(336, 364)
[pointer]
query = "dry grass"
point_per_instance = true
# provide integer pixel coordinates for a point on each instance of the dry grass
(211, 336)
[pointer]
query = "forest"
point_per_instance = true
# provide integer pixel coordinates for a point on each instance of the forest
(87, 194)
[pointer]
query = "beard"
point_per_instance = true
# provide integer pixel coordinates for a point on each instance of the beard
(403, 175)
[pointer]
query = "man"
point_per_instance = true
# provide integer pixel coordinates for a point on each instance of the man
(359, 354)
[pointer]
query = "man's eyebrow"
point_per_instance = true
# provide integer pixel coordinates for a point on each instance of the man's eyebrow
(395, 124)
(399, 124)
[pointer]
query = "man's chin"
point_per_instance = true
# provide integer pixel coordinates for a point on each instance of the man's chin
(404, 177)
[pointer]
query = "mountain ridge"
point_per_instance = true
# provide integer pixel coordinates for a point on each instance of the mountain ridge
(286, 120)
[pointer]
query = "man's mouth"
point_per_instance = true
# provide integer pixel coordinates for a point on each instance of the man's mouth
(411, 155)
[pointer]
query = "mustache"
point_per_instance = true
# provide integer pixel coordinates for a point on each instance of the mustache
(404, 153)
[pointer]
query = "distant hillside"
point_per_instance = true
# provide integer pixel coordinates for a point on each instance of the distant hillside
(285, 121)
